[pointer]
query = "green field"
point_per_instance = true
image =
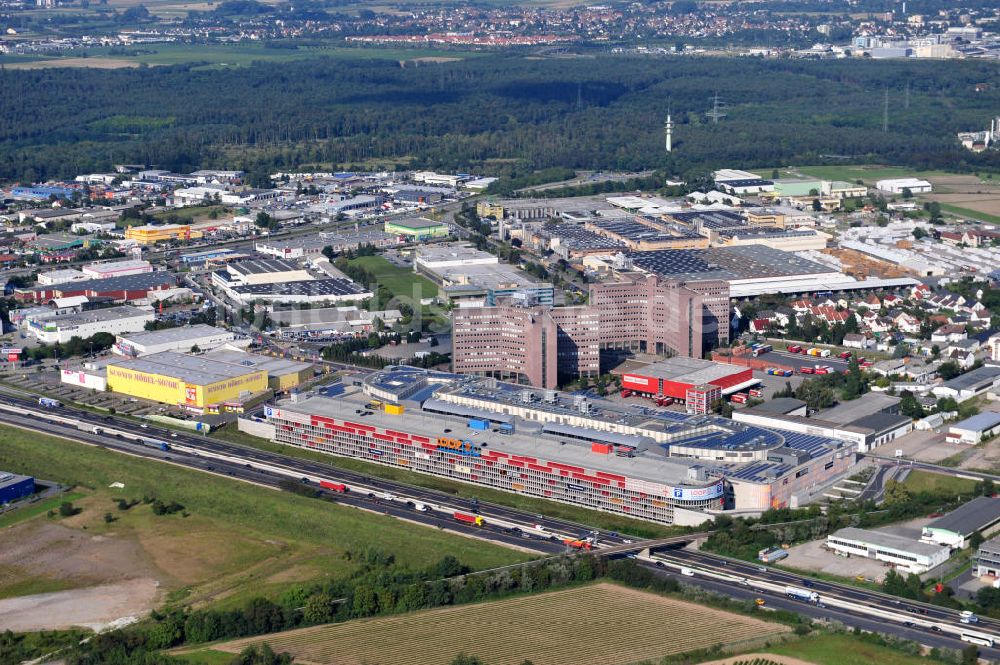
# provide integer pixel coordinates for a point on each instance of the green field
(850, 173)
(189, 213)
(927, 481)
(400, 281)
(972, 214)
(239, 539)
(845, 650)
(552, 509)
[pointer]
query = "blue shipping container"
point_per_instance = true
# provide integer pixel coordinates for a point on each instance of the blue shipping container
(475, 423)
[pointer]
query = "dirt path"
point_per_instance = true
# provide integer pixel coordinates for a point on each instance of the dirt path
(93, 607)
(749, 657)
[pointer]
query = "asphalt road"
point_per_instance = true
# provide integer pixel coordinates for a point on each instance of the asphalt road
(831, 614)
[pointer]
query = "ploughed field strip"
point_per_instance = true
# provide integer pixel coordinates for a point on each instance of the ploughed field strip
(601, 624)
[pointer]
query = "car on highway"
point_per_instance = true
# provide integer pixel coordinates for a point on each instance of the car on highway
(760, 602)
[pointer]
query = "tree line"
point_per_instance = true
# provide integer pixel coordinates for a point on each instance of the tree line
(499, 114)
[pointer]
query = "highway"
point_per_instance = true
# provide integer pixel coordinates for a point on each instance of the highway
(866, 609)
(779, 601)
(266, 468)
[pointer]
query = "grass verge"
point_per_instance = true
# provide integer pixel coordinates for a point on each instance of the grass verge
(236, 540)
(826, 649)
(928, 481)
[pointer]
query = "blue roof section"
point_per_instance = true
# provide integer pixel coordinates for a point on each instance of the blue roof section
(814, 445)
(751, 438)
(761, 471)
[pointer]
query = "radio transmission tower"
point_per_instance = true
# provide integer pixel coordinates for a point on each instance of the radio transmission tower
(885, 110)
(718, 109)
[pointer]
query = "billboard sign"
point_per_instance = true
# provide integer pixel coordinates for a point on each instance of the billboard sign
(697, 493)
(460, 446)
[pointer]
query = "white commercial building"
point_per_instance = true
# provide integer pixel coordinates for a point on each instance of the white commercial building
(898, 185)
(116, 269)
(113, 320)
(451, 255)
(85, 378)
(975, 429)
(261, 271)
(182, 339)
(60, 276)
(908, 555)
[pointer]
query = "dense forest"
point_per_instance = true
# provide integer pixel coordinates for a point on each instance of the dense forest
(496, 114)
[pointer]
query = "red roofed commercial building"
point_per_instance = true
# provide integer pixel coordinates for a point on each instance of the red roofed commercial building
(674, 377)
(119, 289)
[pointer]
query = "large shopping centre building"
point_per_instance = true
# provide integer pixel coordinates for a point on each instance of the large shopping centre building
(652, 464)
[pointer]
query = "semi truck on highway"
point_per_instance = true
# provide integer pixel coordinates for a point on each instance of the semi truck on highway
(472, 520)
(152, 443)
(578, 544)
(49, 403)
(334, 487)
(801, 594)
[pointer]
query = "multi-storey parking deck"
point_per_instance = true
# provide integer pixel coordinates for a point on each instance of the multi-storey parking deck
(655, 465)
(605, 476)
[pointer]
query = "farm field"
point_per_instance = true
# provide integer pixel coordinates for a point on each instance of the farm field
(230, 55)
(398, 280)
(507, 632)
(237, 540)
(868, 173)
(967, 196)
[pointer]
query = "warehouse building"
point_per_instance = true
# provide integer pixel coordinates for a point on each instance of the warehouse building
(62, 276)
(119, 289)
(866, 432)
(182, 339)
(116, 269)
(475, 278)
(195, 382)
(14, 487)
(330, 291)
(282, 374)
(418, 228)
(988, 558)
(432, 258)
(150, 234)
(975, 429)
(675, 377)
(899, 185)
(971, 384)
(980, 515)
(904, 554)
(259, 271)
(113, 320)
(643, 235)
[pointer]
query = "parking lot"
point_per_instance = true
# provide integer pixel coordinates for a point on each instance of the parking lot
(813, 556)
(798, 360)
